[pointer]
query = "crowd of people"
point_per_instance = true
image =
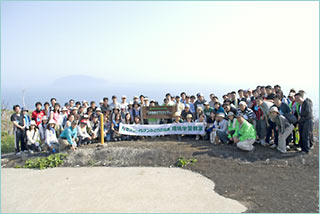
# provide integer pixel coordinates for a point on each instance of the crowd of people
(264, 116)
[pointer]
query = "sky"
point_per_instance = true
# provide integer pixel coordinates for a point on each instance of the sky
(207, 46)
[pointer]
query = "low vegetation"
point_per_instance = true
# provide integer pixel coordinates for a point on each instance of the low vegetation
(51, 161)
(183, 162)
(7, 142)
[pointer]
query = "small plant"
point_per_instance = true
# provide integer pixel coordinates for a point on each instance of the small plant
(51, 161)
(7, 142)
(183, 162)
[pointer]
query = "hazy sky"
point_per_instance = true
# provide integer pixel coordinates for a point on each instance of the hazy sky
(185, 42)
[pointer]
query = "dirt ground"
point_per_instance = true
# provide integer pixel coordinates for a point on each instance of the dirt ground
(264, 180)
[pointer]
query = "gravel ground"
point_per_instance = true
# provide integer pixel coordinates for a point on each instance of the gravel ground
(264, 180)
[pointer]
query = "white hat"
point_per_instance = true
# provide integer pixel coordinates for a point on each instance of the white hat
(44, 118)
(64, 109)
(220, 115)
(230, 114)
(85, 116)
(84, 101)
(206, 103)
(131, 103)
(187, 105)
(177, 114)
(98, 109)
(52, 121)
(33, 123)
(243, 103)
(124, 96)
(101, 101)
(189, 116)
(274, 109)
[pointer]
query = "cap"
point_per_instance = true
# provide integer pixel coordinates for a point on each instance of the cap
(52, 121)
(239, 115)
(177, 114)
(131, 103)
(189, 116)
(74, 108)
(146, 98)
(206, 103)
(101, 101)
(220, 115)
(44, 118)
(135, 97)
(124, 96)
(24, 109)
(85, 116)
(33, 123)
(98, 109)
(243, 103)
(274, 109)
(230, 114)
(83, 121)
(64, 109)
(187, 105)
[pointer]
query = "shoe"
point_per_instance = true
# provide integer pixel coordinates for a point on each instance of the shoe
(264, 144)
(30, 151)
(273, 146)
(288, 147)
(18, 153)
(280, 150)
(197, 137)
(298, 149)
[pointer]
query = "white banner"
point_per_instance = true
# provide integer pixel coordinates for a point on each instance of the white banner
(163, 129)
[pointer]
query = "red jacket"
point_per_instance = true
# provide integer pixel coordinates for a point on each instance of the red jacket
(37, 116)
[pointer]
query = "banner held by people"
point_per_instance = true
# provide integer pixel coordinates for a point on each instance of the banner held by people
(163, 129)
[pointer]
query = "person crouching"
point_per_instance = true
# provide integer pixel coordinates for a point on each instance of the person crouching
(68, 137)
(245, 134)
(83, 137)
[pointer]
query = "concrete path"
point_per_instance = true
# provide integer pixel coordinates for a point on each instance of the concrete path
(111, 190)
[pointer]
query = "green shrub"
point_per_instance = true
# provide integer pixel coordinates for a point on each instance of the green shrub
(51, 161)
(7, 142)
(183, 162)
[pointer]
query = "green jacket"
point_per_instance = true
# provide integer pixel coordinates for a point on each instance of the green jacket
(245, 131)
(232, 125)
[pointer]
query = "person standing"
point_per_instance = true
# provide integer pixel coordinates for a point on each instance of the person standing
(18, 122)
(305, 121)
(38, 113)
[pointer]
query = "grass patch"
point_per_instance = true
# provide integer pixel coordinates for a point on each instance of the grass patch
(7, 142)
(51, 161)
(183, 162)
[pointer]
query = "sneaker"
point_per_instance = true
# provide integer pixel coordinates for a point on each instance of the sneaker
(280, 150)
(288, 147)
(18, 153)
(264, 144)
(273, 146)
(197, 137)
(30, 151)
(298, 149)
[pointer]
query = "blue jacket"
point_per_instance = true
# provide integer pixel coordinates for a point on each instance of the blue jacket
(69, 133)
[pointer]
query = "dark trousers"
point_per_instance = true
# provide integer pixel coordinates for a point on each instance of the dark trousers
(306, 136)
(19, 141)
(269, 132)
(83, 141)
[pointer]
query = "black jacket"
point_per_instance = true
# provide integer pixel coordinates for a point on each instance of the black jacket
(306, 111)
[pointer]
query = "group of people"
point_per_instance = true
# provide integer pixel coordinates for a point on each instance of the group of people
(263, 115)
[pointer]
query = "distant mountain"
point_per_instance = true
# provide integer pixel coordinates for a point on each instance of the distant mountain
(79, 81)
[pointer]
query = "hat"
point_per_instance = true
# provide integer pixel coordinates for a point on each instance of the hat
(291, 94)
(206, 103)
(64, 109)
(85, 116)
(74, 108)
(44, 118)
(24, 109)
(101, 101)
(187, 105)
(274, 109)
(131, 103)
(239, 115)
(84, 101)
(177, 114)
(52, 121)
(83, 121)
(135, 97)
(198, 94)
(220, 115)
(189, 116)
(146, 98)
(98, 109)
(199, 107)
(124, 96)
(201, 95)
(33, 123)
(230, 114)
(243, 103)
